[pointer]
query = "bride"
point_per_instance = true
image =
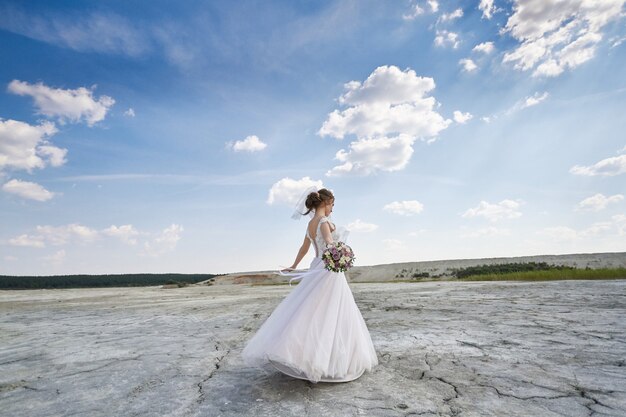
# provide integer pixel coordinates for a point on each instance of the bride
(317, 332)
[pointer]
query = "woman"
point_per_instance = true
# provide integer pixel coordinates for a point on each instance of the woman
(317, 332)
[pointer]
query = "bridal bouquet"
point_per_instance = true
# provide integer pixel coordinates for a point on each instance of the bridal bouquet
(338, 257)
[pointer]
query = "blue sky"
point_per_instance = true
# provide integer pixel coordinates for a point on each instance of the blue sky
(147, 137)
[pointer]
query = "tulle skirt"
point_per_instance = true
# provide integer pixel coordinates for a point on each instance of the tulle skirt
(316, 333)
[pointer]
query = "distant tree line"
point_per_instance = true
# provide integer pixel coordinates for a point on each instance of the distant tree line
(507, 268)
(89, 281)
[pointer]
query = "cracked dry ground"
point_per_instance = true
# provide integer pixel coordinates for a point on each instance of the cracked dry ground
(445, 348)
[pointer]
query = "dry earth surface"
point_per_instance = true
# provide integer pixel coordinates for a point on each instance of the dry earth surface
(445, 348)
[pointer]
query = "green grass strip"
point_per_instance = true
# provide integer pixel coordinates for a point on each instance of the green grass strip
(552, 275)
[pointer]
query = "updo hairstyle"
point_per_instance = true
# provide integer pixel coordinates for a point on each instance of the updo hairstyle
(317, 198)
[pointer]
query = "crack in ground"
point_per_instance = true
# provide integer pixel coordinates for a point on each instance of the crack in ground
(530, 397)
(210, 375)
(103, 366)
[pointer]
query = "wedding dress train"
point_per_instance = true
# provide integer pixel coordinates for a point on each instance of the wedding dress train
(317, 332)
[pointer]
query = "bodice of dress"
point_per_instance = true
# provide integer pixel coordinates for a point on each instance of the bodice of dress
(319, 242)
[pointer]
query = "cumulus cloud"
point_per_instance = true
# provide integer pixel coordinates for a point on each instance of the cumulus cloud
(360, 226)
(568, 234)
(468, 65)
(367, 156)
(165, 242)
(445, 38)
(126, 233)
(414, 12)
(448, 17)
(559, 233)
(288, 191)
(154, 244)
(393, 244)
(534, 99)
(404, 208)
(28, 241)
(461, 117)
(606, 168)
(619, 220)
(556, 35)
(56, 258)
(387, 113)
(28, 190)
(598, 202)
(505, 209)
(485, 48)
(434, 5)
(61, 235)
(487, 7)
(249, 144)
(525, 103)
(26, 147)
(73, 105)
(130, 112)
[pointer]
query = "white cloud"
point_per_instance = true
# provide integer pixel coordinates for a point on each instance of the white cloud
(598, 202)
(61, 235)
(25, 147)
(55, 156)
(165, 242)
(153, 245)
(568, 234)
(490, 231)
(619, 221)
(95, 32)
(415, 11)
(505, 209)
(249, 144)
(461, 117)
(488, 8)
(434, 5)
(485, 48)
(288, 191)
(387, 113)
(560, 233)
(534, 100)
(367, 156)
(360, 226)
(556, 35)
(607, 167)
(445, 38)
(393, 244)
(130, 112)
(10, 258)
(28, 190)
(404, 208)
(448, 17)
(73, 105)
(126, 233)
(468, 65)
(596, 229)
(56, 258)
(28, 241)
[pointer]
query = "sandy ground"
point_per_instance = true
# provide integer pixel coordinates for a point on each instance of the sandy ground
(445, 348)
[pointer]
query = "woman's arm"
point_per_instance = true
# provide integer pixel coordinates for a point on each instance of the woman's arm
(326, 234)
(303, 251)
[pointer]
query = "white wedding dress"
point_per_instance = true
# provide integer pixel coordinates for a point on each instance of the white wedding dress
(317, 332)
